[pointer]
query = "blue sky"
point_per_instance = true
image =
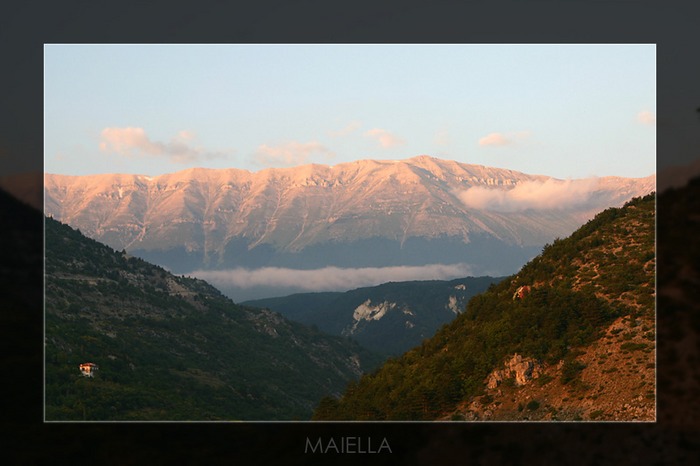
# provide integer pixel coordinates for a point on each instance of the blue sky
(568, 111)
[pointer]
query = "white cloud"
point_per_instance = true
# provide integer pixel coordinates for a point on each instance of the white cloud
(134, 142)
(500, 139)
(290, 153)
(185, 135)
(348, 129)
(646, 118)
(494, 139)
(127, 140)
(385, 138)
(539, 195)
(329, 278)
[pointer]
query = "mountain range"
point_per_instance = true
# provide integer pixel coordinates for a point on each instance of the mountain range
(671, 439)
(368, 213)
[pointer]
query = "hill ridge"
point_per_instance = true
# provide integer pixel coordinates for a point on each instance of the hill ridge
(591, 346)
(171, 347)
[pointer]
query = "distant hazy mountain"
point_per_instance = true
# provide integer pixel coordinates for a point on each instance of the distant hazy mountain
(390, 318)
(174, 348)
(367, 213)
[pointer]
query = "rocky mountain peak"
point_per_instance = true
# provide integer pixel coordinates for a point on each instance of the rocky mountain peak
(418, 208)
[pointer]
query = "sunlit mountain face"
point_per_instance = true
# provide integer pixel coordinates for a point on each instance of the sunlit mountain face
(225, 224)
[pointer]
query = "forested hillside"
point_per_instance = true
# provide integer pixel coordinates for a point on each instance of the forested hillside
(595, 286)
(390, 318)
(173, 348)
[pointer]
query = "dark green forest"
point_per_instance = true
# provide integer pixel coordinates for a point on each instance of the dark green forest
(420, 310)
(174, 348)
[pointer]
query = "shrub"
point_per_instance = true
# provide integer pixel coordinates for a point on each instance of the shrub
(629, 346)
(544, 379)
(571, 371)
(533, 405)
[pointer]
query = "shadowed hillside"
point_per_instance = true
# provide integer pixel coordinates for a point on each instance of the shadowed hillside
(173, 348)
(389, 318)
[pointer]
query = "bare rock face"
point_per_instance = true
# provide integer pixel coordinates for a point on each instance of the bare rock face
(523, 370)
(521, 292)
(494, 379)
(421, 206)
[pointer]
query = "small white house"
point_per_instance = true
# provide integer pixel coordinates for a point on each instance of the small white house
(88, 369)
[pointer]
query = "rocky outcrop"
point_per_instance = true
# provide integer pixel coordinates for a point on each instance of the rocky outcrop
(521, 292)
(367, 311)
(523, 370)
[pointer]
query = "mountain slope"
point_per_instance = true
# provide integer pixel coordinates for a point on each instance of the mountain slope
(173, 348)
(367, 213)
(582, 323)
(390, 318)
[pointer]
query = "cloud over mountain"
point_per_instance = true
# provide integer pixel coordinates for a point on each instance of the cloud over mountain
(329, 278)
(536, 195)
(501, 139)
(134, 142)
(385, 138)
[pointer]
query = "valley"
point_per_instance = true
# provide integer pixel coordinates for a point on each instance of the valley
(173, 348)
(338, 270)
(390, 318)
